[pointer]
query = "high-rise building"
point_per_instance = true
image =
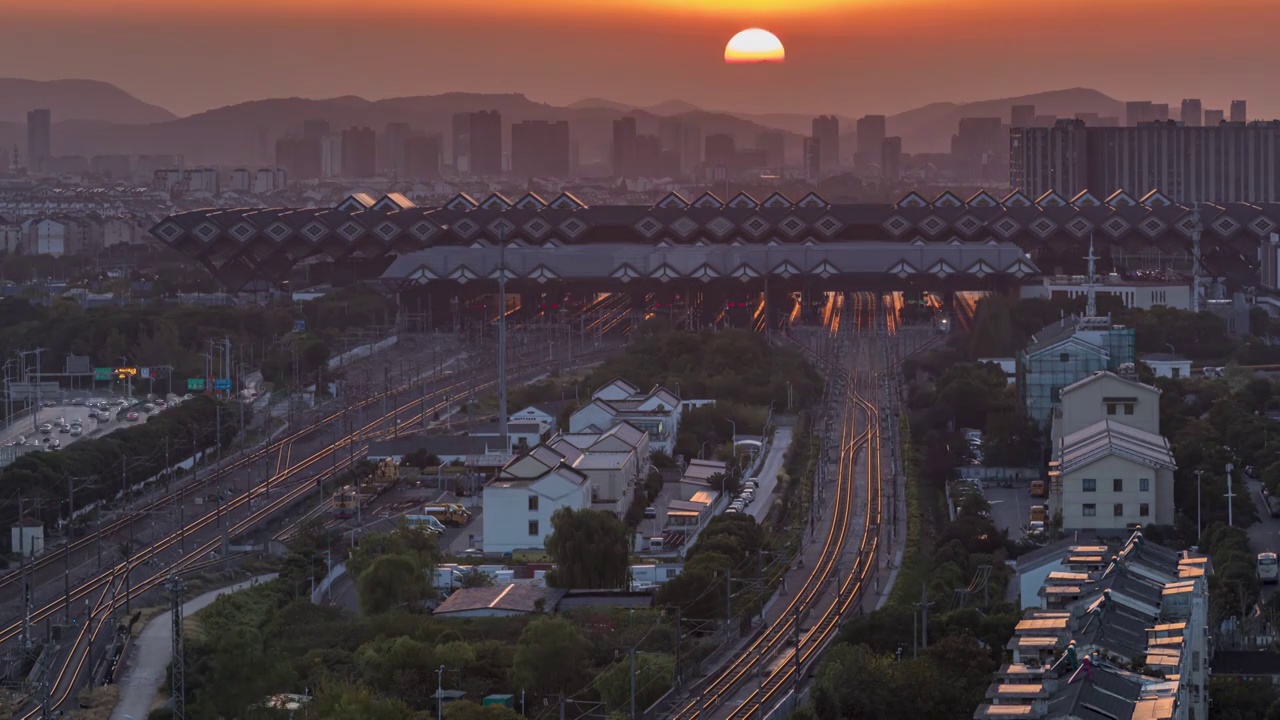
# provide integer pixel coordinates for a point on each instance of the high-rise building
(39, 139)
(460, 145)
(486, 143)
(1192, 116)
(773, 143)
(870, 140)
(391, 151)
(722, 150)
(826, 128)
(1186, 164)
(1138, 111)
(891, 159)
(1238, 114)
(422, 155)
(978, 149)
(684, 140)
(300, 157)
(1160, 112)
(1022, 116)
(540, 148)
(315, 128)
(477, 143)
(359, 152)
(624, 147)
(1213, 117)
(812, 158)
(331, 156)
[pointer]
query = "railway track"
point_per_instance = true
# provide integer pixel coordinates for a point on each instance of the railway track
(282, 447)
(780, 654)
(106, 586)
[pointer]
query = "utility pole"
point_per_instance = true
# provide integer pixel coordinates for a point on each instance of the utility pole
(633, 682)
(502, 336)
(1199, 485)
(1230, 495)
(66, 551)
(796, 636)
(177, 668)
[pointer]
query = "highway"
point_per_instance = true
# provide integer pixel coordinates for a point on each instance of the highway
(196, 542)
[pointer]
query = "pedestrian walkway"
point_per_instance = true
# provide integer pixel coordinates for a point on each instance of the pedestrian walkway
(147, 667)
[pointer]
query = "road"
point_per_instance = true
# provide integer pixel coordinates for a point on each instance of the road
(768, 476)
(1264, 535)
(251, 495)
(147, 667)
(91, 428)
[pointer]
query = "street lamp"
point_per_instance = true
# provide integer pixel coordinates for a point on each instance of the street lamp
(128, 379)
(440, 693)
(733, 425)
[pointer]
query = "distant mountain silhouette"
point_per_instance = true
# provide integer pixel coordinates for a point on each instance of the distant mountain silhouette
(93, 118)
(76, 100)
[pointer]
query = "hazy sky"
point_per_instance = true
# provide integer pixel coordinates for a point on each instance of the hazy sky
(847, 56)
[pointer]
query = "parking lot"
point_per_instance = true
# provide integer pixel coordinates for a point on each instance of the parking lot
(1011, 507)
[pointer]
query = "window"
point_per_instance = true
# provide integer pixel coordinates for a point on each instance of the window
(1089, 485)
(1111, 408)
(1089, 510)
(1064, 357)
(1118, 510)
(533, 527)
(1144, 510)
(1128, 408)
(533, 503)
(1144, 484)
(1117, 485)
(1175, 373)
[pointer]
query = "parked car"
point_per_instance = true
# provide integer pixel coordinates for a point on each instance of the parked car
(651, 512)
(131, 417)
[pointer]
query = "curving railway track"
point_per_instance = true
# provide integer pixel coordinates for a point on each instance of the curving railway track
(756, 679)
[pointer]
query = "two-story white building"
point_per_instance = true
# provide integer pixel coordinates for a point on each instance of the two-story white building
(1112, 470)
(520, 500)
(616, 461)
(656, 412)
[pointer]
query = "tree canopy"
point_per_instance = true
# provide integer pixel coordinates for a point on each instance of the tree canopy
(591, 549)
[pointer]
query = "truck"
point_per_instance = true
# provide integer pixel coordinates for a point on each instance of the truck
(451, 514)
(1039, 489)
(1039, 513)
(345, 499)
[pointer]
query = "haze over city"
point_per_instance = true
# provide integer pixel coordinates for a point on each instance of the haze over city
(640, 360)
(852, 58)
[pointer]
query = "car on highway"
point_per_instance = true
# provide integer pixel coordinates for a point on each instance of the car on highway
(76, 431)
(148, 408)
(55, 445)
(77, 401)
(46, 428)
(64, 429)
(104, 417)
(131, 417)
(22, 440)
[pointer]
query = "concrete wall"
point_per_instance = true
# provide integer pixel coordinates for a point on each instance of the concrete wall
(507, 514)
(1086, 405)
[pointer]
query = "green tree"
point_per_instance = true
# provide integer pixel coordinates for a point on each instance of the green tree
(341, 701)
(591, 549)
(473, 578)
(654, 674)
(551, 656)
(392, 581)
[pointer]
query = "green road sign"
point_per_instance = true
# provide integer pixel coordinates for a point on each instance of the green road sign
(195, 384)
(102, 373)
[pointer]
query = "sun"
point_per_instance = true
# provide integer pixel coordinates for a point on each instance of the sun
(754, 45)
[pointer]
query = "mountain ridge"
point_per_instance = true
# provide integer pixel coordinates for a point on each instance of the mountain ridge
(244, 133)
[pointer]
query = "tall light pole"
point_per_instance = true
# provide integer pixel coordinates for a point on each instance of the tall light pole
(1230, 495)
(1199, 505)
(502, 230)
(440, 693)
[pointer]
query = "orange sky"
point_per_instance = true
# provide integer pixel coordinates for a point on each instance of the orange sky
(846, 56)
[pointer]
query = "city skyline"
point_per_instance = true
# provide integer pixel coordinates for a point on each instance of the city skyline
(613, 55)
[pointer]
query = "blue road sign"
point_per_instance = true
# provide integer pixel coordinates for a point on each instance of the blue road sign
(222, 384)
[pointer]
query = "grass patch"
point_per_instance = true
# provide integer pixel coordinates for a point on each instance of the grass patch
(915, 569)
(96, 703)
